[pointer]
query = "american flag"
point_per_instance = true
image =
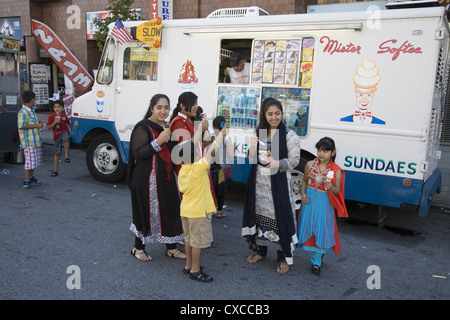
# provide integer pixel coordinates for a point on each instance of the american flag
(120, 32)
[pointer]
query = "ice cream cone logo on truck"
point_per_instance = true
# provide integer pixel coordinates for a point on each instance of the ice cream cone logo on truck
(365, 79)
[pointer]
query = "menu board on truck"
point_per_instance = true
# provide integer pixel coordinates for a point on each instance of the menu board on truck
(295, 103)
(283, 62)
(239, 106)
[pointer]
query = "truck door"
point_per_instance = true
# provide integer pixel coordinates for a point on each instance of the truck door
(136, 84)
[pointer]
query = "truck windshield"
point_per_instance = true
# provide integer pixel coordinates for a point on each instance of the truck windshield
(105, 69)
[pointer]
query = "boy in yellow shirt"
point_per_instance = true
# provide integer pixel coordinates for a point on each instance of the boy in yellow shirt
(197, 205)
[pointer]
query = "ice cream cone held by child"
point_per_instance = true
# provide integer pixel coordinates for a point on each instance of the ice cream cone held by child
(365, 79)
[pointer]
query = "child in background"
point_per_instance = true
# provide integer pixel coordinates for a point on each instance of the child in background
(30, 137)
(60, 124)
(220, 169)
(197, 204)
(322, 195)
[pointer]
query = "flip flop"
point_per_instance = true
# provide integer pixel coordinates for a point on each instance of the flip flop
(280, 269)
(220, 214)
(54, 173)
(135, 251)
(250, 259)
(175, 254)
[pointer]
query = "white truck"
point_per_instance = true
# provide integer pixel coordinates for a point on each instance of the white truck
(373, 80)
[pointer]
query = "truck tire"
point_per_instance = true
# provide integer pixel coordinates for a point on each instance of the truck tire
(103, 159)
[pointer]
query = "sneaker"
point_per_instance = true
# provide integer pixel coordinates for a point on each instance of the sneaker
(34, 180)
(25, 184)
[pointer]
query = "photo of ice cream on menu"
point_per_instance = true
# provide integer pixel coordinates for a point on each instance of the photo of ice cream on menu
(239, 106)
(287, 62)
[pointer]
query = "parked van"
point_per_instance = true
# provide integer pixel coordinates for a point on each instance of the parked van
(373, 81)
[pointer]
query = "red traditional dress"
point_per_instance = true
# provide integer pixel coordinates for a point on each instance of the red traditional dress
(317, 231)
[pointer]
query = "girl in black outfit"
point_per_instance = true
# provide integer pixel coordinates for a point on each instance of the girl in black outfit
(154, 190)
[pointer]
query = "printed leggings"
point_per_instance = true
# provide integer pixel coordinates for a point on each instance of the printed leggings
(140, 246)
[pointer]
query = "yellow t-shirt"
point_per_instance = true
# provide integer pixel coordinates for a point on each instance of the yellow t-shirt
(193, 182)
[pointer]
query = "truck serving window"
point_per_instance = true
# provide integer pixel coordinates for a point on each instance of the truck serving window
(280, 69)
(140, 64)
(105, 69)
(227, 48)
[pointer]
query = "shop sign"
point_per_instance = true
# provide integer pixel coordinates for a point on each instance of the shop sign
(161, 8)
(91, 28)
(11, 27)
(61, 55)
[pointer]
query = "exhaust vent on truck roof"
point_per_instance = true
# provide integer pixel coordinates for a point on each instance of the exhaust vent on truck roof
(238, 12)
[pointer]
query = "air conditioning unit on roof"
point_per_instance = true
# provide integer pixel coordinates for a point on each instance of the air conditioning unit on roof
(238, 12)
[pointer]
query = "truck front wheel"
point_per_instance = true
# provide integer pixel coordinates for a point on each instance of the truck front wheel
(103, 159)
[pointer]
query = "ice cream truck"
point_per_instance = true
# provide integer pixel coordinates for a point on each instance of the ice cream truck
(373, 80)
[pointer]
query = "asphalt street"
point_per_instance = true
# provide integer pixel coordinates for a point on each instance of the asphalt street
(69, 239)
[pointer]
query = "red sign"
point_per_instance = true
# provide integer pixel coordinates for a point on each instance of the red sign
(154, 9)
(61, 55)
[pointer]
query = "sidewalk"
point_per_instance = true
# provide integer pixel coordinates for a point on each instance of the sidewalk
(443, 164)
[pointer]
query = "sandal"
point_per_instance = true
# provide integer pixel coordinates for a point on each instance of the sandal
(54, 173)
(189, 271)
(175, 254)
(284, 269)
(200, 276)
(67, 160)
(134, 252)
(220, 214)
(316, 269)
(251, 259)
